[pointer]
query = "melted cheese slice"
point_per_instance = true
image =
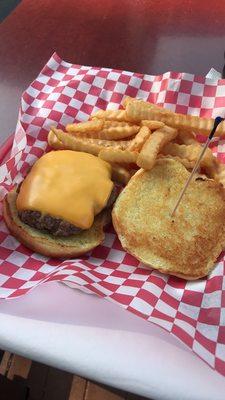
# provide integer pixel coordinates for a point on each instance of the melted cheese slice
(71, 185)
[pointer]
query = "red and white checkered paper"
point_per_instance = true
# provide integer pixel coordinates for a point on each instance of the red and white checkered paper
(63, 93)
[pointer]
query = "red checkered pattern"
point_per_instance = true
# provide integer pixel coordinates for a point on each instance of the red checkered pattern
(63, 93)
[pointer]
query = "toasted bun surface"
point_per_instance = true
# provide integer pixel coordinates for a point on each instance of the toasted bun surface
(186, 245)
(47, 244)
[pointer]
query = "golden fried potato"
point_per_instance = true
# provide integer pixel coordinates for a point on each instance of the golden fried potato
(139, 140)
(186, 137)
(141, 110)
(114, 115)
(118, 156)
(151, 148)
(84, 127)
(152, 125)
(54, 142)
(92, 146)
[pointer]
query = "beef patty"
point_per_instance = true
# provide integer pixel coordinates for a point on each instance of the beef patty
(53, 225)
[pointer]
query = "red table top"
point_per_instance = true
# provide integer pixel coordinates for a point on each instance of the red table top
(138, 35)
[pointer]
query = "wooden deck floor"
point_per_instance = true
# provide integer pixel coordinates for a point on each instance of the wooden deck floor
(22, 379)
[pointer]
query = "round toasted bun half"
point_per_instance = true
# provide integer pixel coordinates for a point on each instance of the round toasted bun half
(49, 245)
(186, 245)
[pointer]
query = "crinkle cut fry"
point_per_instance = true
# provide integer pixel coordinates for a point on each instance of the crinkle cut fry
(140, 110)
(115, 131)
(92, 146)
(153, 145)
(118, 156)
(54, 142)
(87, 126)
(111, 115)
(190, 154)
(139, 140)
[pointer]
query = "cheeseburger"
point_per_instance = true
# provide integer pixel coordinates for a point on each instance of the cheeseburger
(62, 205)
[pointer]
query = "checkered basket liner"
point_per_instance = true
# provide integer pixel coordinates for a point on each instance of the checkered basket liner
(63, 93)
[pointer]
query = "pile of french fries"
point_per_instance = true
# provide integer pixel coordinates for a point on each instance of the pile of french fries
(137, 135)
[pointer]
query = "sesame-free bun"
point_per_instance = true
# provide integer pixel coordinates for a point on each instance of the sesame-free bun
(49, 245)
(186, 245)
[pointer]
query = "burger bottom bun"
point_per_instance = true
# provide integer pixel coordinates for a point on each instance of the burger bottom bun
(47, 244)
